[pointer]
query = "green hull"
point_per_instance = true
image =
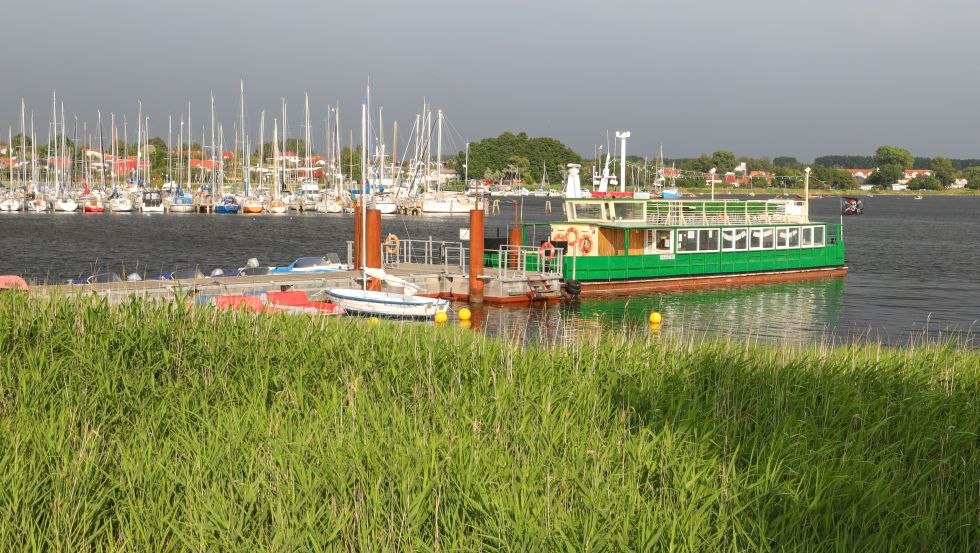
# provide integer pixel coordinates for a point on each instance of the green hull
(642, 266)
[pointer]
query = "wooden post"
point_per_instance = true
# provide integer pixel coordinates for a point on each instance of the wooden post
(476, 256)
(373, 238)
(515, 236)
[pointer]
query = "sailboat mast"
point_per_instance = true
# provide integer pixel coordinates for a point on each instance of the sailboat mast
(23, 140)
(214, 162)
(190, 140)
(170, 136)
(245, 157)
(439, 153)
(54, 115)
(275, 158)
(261, 143)
(364, 107)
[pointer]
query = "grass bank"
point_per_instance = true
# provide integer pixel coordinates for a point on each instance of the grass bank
(154, 427)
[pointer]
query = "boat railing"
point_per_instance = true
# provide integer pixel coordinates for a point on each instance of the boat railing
(720, 212)
(515, 262)
(396, 252)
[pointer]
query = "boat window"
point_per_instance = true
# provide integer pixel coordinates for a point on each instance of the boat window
(587, 211)
(708, 240)
(761, 238)
(627, 211)
(735, 239)
(658, 241)
(305, 262)
(782, 237)
(806, 239)
(794, 237)
(818, 236)
(687, 240)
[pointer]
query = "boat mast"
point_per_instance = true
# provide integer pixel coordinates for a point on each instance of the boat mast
(214, 162)
(439, 154)
(170, 136)
(190, 140)
(245, 157)
(139, 141)
(54, 115)
(261, 144)
(308, 169)
(275, 158)
(364, 107)
(23, 141)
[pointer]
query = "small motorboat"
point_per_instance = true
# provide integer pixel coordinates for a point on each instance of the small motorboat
(329, 263)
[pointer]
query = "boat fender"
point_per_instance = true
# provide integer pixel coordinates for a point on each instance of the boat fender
(392, 243)
(573, 287)
(548, 250)
(585, 244)
(571, 235)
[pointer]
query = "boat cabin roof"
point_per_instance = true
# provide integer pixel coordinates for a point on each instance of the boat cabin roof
(637, 213)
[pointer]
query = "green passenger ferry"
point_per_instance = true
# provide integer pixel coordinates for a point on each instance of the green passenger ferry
(623, 244)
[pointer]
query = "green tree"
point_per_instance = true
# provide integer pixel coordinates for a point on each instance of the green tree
(832, 177)
(925, 182)
(529, 155)
(723, 161)
(886, 175)
(893, 155)
(701, 164)
(972, 176)
(158, 144)
(786, 161)
(943, 170)
(346, 160)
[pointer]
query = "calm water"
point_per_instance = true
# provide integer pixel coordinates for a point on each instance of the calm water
(914, 267)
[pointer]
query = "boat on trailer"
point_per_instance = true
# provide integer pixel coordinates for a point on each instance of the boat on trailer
(623, 244)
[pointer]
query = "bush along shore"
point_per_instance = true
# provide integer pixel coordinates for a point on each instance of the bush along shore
(154, 427)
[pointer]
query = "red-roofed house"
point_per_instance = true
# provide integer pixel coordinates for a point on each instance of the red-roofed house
(860, 174)
(205, 164)
(913, 173)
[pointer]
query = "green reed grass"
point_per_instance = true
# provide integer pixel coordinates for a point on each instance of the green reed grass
(153, 427)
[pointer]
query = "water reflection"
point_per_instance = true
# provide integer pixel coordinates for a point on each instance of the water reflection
(786, 313)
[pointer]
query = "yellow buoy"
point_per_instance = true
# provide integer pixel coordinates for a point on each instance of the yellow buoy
(655, 318)
(441, 317)
(374, 320)
(465, 323)
(464, 314)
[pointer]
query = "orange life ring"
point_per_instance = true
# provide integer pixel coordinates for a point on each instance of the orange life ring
(585, 244)
(559, 236)
(568, 235)
(392, 243)
(548, 250)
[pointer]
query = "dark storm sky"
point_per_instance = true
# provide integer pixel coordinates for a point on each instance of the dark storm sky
(758, 77)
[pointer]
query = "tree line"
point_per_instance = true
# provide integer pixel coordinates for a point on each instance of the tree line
(522, 158)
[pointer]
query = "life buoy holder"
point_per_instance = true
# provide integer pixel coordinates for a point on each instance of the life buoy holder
(392, 243)
(571, 235)
(548, 250)
(585, 244)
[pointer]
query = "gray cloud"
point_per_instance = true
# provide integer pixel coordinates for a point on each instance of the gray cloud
(759, 77)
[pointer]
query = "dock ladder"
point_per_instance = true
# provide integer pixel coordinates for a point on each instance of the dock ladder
(538, 287)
